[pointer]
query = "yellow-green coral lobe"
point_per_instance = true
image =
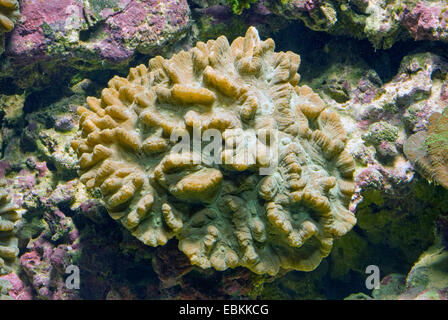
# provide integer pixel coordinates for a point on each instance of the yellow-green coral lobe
(224, 214)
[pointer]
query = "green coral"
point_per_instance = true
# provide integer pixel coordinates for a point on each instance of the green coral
(11, 109)
(428, 150)
(381, 131)
(32, 227)
(210, 27)
(378, 21)
(427, 280)
(239, 5)
(337, 69)
(436, 140)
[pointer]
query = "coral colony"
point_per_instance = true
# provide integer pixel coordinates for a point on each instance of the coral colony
(285, 220)
(237, 149)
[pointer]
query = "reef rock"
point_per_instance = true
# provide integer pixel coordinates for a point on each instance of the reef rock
(112, 31)
(274, 201)
(93, 34)
(215, 20)
(382, 22)
(427, 280)
(427, 20)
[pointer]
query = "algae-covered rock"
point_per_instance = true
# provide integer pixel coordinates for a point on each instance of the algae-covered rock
(397, 221)
(234, 6)
(11, 108)
(110, 30)
(350, 253)
(381, 22)
(340, 73)
(90, 35)
(406, 226)
(383, 136)
(427, 280)
(215, 20)
(5, 286)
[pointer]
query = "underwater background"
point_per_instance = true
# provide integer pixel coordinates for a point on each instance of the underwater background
(378, 68)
